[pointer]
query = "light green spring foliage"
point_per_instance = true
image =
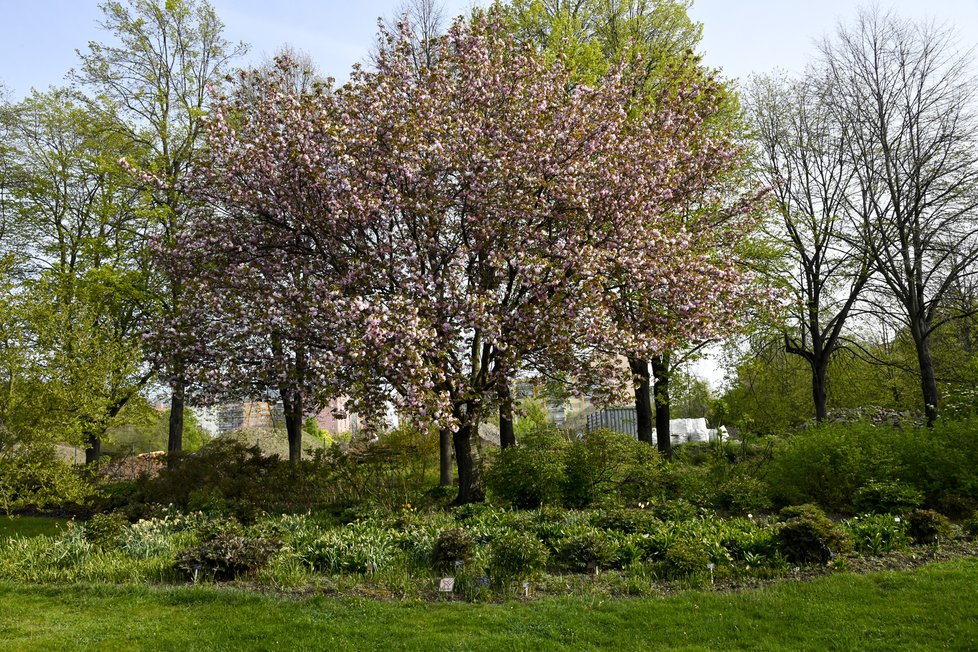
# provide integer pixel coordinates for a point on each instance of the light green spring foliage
(72, 306)
(593, 35)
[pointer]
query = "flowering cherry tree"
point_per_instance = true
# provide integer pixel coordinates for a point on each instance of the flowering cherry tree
(454, 223)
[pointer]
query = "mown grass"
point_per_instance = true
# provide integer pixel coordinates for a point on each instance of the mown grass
(934, 607)
(30, 526)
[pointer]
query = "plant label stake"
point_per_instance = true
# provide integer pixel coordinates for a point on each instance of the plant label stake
(711, 567)
(526, 589)
(371, 567)
(446, 585)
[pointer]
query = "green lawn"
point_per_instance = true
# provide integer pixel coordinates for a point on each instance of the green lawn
(30, 526)
(935, 607)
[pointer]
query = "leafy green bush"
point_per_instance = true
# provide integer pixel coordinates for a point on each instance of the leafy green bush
(741, 494)
(808, 536)
(226, 557)
(105, 530)
(685, 559)
(33, 478)
(970, 527)
(532, 473)
(886, 498)
(674, 510)
(516, 556)
(826, 464)
(943, 460)
(588, 551)
(453, 544)
(927, 526)
(605, 466)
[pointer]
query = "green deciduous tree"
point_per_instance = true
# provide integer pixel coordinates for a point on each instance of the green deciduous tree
(150, 83)
(83, 261)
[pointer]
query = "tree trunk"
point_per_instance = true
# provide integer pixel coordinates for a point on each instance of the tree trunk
(819, 389)
(293, 425)
(445, 457)
(507, 434)
(177, 398)
(663, 435)
(928, 379)
(643, 400)
(470, 489)
(94, 450)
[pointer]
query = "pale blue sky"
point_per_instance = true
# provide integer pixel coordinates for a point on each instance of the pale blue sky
(38, 38)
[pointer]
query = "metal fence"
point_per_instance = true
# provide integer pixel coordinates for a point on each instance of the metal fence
(619, 419)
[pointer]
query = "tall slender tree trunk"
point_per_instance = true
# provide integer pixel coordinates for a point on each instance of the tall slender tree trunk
(663, 434)
(470, 488)
(643, 399)
(819, 388)
(928, 377)
(445, 457)
(507, 433)
(177, 400)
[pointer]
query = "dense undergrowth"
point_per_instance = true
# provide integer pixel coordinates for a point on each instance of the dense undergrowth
(600, 513)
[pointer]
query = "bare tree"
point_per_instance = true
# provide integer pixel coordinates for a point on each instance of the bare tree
(426, 22)
(803, 159)
(905, 96)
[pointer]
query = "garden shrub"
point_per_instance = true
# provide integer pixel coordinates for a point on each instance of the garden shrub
(105, 530)
(678, 509)
(452, 545)
(34, 479)
(970, 526)
(742, 494)
(807, 535)
(390, 472)
(886, 498)
(826, 464)
(516, 556)
(532, 473)
(955, 506)
(587, 551)
(943, 460)
(608, 466)
(685, 559)
(927, 526)
(226, 557)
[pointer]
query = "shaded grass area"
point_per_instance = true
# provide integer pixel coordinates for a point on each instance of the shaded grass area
(30, 526)
(933, 607)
